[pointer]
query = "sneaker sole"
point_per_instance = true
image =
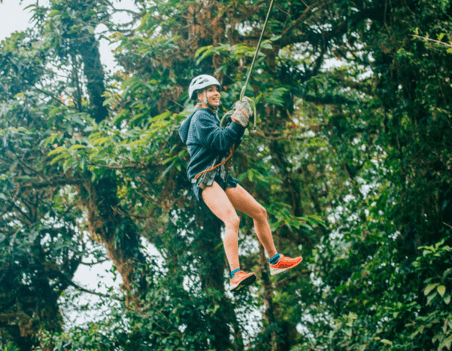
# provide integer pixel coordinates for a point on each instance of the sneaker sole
(244, 283)
(275, 271)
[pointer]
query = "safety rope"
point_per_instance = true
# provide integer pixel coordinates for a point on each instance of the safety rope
(242, 94)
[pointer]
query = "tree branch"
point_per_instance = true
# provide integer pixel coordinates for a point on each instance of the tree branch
(300, 19)
(303, 272)
(71, 283)
(50, 95)
(53, 183)
(93, 263)
(138, 166)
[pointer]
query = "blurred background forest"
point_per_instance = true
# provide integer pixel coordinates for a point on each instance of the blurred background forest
(352, 160)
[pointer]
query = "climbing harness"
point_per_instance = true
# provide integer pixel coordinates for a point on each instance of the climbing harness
(206, 177)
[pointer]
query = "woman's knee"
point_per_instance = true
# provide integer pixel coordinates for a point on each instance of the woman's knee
(232, 221)
(260, 214)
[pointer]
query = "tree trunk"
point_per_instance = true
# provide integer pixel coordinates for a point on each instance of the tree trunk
(106, 222)
(117, 231)
(212, 278)
(268, 300)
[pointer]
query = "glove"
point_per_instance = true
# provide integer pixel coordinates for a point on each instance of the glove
(242, 113)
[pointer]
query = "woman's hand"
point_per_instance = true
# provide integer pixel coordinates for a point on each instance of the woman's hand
(242, 113)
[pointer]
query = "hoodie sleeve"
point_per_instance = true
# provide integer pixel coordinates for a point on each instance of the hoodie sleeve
(210, 134)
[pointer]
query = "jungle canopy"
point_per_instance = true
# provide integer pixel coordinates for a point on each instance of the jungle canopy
(352, 160)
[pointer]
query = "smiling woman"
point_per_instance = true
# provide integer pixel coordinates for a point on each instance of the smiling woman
(208, 145)
(210, 98)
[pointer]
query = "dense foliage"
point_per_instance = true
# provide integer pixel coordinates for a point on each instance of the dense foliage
(352, 160)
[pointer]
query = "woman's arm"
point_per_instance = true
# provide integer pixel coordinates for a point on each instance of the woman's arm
(210, 134)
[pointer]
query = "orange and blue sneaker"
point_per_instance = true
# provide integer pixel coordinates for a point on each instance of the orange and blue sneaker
(283, 264)
(241, 280)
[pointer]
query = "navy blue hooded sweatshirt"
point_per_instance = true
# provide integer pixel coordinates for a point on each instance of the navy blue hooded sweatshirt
(205, 139)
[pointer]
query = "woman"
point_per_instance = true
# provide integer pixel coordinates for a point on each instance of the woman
(209, 146)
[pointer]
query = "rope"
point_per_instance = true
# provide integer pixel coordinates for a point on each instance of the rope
(242, 94)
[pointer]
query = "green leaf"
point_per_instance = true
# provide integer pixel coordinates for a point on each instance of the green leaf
(167, 169)
(442, 290)
(77, 119)
(54, 13)
(90, 29)
(29, 6)
(412, 336)
(57, 150)
(100, 141)
(250, 175)
(316, 219)
(447, 272)
(348, 331)
(59, 157)
(207, 53)
(160, 117)
(201, 50)
(431, 297)
(266, 45)
(121, 116)
(77, 146)
(445, 343)
(67, 164)
(386, 341)
(429, 288)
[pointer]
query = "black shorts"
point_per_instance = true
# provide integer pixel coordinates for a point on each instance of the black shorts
(231, 182)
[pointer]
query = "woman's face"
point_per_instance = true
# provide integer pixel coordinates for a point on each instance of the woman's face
(210, 96)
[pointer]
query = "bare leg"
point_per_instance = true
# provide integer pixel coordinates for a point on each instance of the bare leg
(244, 202)
(216, 199)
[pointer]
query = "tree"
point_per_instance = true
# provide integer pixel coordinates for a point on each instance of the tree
(362, 145)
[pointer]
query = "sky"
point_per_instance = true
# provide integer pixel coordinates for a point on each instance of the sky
(13, 17)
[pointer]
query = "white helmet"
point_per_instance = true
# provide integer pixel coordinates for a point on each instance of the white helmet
(201, 82)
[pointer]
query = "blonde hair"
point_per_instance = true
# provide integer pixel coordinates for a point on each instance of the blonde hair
(198, 103)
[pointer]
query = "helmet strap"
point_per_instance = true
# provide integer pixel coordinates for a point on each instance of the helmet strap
(208, 104)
